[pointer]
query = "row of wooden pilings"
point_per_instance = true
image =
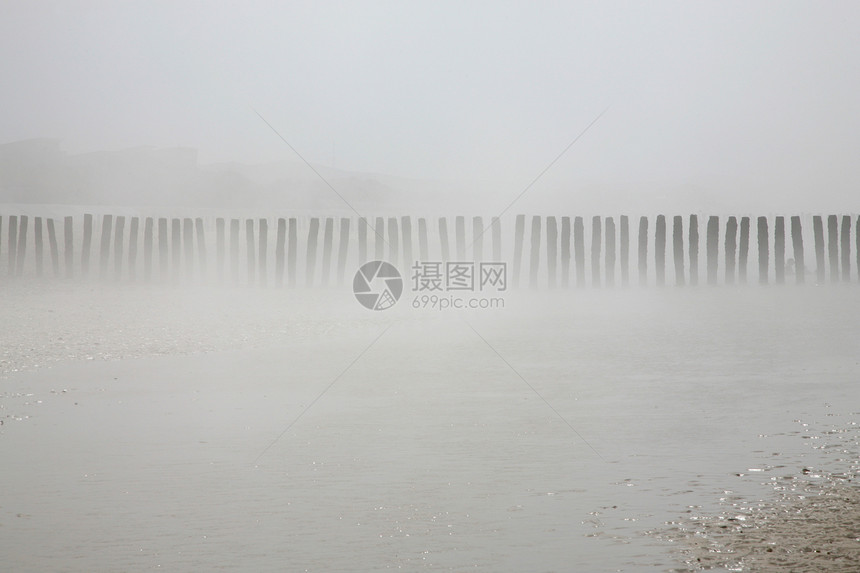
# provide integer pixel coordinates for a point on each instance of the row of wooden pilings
(180, 248)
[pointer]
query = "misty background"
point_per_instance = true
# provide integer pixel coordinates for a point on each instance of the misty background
(440, 106)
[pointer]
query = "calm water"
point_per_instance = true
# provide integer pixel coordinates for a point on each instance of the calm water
(548, 436)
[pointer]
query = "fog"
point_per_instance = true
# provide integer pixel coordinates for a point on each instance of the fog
(708, 105)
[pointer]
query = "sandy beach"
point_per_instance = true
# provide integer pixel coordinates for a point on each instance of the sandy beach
(179, 429)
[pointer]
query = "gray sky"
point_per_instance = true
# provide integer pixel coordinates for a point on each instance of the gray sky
(736, 98)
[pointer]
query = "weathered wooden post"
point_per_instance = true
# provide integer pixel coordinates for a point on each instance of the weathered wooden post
(406, 231)
(625, 251)
(857, 245)
(519, 231)
(565, 252)
(86, 245)
(846, 248)
(643, 251)
(694, 250)
(201, 246)
(422, 238)
(443, 238)
(833, 248)
(713, 249)
(731, 249)
(534, 260)
(678, 248)
(263, 252)
(132, 247)
(13, 245)
(551, 250)
(579, 250)
(292, 246)
(610, 252)
(393, 241)
(312, 248)
(497, 239)
(118, 247)
(188, 243)
(69, 245)
(175, 247)
(660, 249)
(818, 236)
(22, 245)
(147, 249)
(55, 251)
(743, 250)
(234, 251)
(328, 239)
(595, 250)
(762, 250)
(343, 248)
(797, 246)
(250, 257)
(37, 252)
(460, 230)
(104, 250)
(362, 241)
(379, 231)
(220, 249)
(280, 250)
(477, 240)
(779, 250)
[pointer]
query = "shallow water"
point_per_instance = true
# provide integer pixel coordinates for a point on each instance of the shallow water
(548, 436)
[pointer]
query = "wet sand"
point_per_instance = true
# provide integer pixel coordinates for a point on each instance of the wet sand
(150, 428)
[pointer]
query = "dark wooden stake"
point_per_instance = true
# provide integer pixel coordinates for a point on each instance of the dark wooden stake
(579, 250)
(678, 248)
(731, 249)
(643, 251)
(596, 233)
(660, 250)
(797, 246)
(565, 252)
(779, 250)
(763, 255)
(551, 250)
(743, 250)
(818, 236)
(519, 232)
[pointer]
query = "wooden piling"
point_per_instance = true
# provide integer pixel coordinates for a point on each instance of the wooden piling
(595, 250)
(263, 252)
(643, 251)
(292, 246)
(797, 246)
(175, 248)
(731, 249)
(86, 245)
(694, 250)
(534, 258)
(362, 241)
(220, 249)
(280, 250)
(565, 252)
(343, 249)
(460, 230)
(833, 248)
(422, 238)
(201, 247)
(188, 243)
(579, 250)
(763, 254)
(54, 247)
(393, 241)
(328, 239)
(163, 248)
(443, 238)
(406, 232)
(104, 249)
(69, 245)
(250, 258)
(311, 258)
(712, 248)
(779, 250)
(743, 250)
(519, 231)
(379, 231)
(133, 232)
(497, 239)
(625, 251)
(22, 245)
(234, 251)
(119, 235)
(13, 245)
(37, 251)
(818, 236)
(477, 240)
(678, 248)
(551, 250)
(147, 249)
(610, 252)
(846, 248)
(660, 250)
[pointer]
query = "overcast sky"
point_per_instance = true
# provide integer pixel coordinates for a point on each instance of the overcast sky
(738, 97)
